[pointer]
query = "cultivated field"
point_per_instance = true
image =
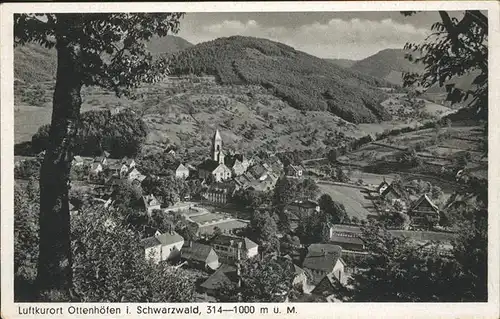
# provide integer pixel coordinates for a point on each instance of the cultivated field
(357, 203)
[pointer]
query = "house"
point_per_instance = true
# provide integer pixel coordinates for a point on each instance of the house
(181, 171)
(232, 248)
(238, 168)
(95, 169)
(222, 277)
(118, 169)
(134, 174)
(130, 162)
(346, 236)
(299, 209)
(258, 171)
(300, 278)
(324, 259)
(200, 256)
(162, 247)
(392, 193)
(294, 170)
(78, 161)
(382, 187)
(424, 212)
(327, 288)
(101, 159)
(150, 203)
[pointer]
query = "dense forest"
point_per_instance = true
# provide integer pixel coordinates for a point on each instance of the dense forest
(120, 134)
(304, 81)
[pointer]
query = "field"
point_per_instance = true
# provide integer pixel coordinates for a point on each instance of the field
(357, 203)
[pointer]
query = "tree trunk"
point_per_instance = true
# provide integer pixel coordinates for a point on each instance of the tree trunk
(54, 276)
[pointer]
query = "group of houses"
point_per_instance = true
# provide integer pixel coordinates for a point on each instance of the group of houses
(220, 257)
(423, 212)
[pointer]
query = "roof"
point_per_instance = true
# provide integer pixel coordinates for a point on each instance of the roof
(196, 251)
(384, 183)
(150, 242)
(105, 154)
(322, 257)
(305, 204)
(181, 167)
(217, 135)
(115, 166)
(150, 200)
(424, 199)
(297, 270)
(226, 240)
(208, 165)
(392, 189)
(94, 166)
(326, 285)
(78, 158)
(218, 279)
(169, 238)
(257, 170)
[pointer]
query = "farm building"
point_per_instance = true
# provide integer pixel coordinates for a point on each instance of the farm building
(162, 247)
(424, 212)
(200, 256)
(324, 259)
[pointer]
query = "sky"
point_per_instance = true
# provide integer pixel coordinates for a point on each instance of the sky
(346, 35)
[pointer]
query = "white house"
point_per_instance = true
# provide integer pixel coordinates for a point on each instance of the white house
(181, 171)
(151, 203)
(232, 248)
(162, 247)
(134, 174)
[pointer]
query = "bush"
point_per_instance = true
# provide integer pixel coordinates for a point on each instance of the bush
(120, 134)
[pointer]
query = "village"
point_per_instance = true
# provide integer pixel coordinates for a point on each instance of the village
(219, 243)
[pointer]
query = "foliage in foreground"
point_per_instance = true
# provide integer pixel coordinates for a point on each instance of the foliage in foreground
(120, 134)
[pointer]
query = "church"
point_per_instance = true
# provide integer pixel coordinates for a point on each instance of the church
(215, 165)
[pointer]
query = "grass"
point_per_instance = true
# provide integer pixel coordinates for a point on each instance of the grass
(357, 204)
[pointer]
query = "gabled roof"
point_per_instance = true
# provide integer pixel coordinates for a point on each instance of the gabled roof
(78, 158)
(94, 166)
(150, 242)
(384, 183)
(217, 135)
(170, 238)
(181, 167)
(326, 286)
(424, 199)
(105, 154)
(392, 189)
(196, 251)
(219, 279)
(150, 200)
(208, 165)
(322, 257)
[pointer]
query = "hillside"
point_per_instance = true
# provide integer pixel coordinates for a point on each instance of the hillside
(387, 64)
(34, 63)
(345, 63)
(168, 44)
(305, 82)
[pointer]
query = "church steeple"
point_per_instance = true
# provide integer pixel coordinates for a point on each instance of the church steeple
(217, 154)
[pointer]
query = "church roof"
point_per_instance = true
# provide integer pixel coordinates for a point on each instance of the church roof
(217, 135)
(208, 165)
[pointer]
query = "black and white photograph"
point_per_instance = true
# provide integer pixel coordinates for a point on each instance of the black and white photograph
(250, 157)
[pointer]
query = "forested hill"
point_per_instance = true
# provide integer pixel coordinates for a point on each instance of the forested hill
(34, 63)
(387, 64)
(304, 81)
